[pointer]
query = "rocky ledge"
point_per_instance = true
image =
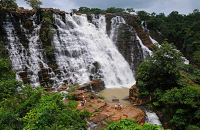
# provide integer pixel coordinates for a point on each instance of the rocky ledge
(103, 110)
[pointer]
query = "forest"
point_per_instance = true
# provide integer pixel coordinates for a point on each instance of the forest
(173, 85)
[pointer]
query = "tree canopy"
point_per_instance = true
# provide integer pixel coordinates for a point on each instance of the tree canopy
(175, 87)
(182, 30)
(161, 70)
(35, 4)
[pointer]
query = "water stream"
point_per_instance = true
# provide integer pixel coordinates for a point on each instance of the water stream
(85, 48)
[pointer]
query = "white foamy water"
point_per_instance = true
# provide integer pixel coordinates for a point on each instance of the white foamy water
(152, 118)
(116, 22)
(85, 48)
(146, 51)
(84, 52)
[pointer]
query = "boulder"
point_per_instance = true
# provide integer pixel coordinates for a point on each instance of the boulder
(96, 85)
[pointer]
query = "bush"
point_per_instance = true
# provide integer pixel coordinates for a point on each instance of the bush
(72, 104)
(36, 109)
(101, 97)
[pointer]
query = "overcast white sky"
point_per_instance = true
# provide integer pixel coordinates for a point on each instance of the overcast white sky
(158, 6)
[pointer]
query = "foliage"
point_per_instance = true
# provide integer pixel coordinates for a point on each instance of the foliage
(101, 97)
(192, 127)
(9, 4)
(130, 124)
(130, 10)
(36, 109)
(161, 70)
(143, 15)
(165, 75)
(183, 106)
(8, 83)
(49, 50)
(182, 30)
(71, 96)
(47, 18)
(71, 88)
(90, 105)
(35, 4)
(72, 104)
(118, 11)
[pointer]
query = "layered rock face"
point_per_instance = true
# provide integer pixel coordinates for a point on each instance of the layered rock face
(47, 55)
(127, 36)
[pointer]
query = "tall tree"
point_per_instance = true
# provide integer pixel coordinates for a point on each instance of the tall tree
(161, 70)
(35, 4)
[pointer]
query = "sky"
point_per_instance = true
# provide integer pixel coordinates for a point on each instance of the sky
(150, 6)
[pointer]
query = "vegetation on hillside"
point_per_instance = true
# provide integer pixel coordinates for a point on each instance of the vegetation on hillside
(35, 109)
(118, 11)
(130, 124)
(182, 30)
(175, 87)
(9, 4)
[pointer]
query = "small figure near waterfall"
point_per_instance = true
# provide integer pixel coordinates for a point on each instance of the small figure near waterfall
(82, 103)
(139, 101)
(119, 106)
(116, 107)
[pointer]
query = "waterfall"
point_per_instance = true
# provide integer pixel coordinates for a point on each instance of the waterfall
(116, 22)
(83, 48)
(83, 52)
(146, 51)
(26, 61)
(152, 118)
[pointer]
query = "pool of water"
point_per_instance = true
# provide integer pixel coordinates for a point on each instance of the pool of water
(119, 93)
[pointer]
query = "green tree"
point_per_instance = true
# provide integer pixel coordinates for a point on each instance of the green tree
(8, 4)
(118, 11)
(84, 10)
(183, 106)
(143, 15)
(35, 4)
(130, 124)
(130, 10)
(8, 83)
(161, 70)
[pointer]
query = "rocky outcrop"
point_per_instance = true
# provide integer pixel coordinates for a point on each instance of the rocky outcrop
(95, 85)
(103, 110)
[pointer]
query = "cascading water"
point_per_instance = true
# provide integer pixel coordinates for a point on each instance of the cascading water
(151, 117)
(82, 48)
(146, 51)
(83, 52)
(116, 22)
(26, 61)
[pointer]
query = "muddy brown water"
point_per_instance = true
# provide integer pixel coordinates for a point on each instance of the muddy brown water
(119, 93)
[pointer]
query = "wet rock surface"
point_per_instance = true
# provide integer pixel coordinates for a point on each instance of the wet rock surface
(103, 110)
